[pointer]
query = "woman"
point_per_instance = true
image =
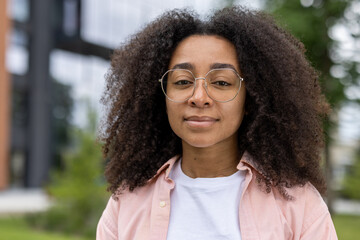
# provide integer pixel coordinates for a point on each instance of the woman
(236, 107)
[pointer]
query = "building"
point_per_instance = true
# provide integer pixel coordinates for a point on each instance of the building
(38, 27)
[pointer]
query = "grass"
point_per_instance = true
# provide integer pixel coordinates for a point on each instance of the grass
(347, 226)
(16, 228)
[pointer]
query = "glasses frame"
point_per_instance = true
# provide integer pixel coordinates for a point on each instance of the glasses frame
(200, 78)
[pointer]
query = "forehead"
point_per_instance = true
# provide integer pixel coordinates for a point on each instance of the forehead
(203, 51)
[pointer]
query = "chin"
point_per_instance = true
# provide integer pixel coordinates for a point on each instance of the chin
(200, 143)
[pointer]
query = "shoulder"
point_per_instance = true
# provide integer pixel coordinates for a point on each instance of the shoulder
(304, 193)
(306, 216)
(312, 203)
(306, 196)
(122, 208)
(316, 222)
(306, 207)
(133, 210)
(140, 197)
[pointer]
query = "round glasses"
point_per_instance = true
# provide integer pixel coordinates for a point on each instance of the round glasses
(221, 85)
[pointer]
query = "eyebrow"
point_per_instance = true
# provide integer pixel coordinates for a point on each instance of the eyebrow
(185, 65)
(222, 65)
(189, 66)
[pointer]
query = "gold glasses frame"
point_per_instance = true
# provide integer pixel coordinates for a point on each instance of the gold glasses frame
(161, 80)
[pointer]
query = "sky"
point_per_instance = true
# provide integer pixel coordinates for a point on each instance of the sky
(109, 23)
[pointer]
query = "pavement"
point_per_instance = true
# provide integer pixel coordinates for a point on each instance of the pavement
(346, 207)
(20, 201)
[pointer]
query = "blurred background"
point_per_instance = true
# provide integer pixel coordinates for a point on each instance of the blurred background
(53, 58)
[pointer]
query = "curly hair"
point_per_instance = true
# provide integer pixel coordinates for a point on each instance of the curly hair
(282, 129)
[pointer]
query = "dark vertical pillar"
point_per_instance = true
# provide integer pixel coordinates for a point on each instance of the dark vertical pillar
(39, 140)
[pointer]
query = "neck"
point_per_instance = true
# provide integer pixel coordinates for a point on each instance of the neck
(219, 160)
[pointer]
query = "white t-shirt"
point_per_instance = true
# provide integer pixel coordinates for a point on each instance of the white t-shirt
(204, 208)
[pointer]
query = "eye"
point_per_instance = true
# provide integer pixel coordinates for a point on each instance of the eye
(221, 83)
(183, 82)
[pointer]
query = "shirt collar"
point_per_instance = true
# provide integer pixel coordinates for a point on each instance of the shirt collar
(166, 167)
(246, 161)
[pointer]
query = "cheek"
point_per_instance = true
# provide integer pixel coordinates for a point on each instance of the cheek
(173, 115)
(235, 114)
(241, 105)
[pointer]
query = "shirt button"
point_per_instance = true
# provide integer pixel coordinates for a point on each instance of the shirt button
(162, 204)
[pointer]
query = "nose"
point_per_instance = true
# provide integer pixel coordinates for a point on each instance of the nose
(200, 98)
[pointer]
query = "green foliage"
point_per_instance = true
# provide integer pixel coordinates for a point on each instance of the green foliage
(78, 190)
(351, 186)
(17, 229)
(347, 227)
(311, 26)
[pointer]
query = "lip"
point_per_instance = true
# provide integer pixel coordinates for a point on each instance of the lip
(200, 121)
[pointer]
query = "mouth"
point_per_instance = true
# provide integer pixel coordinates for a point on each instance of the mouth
(200, 121)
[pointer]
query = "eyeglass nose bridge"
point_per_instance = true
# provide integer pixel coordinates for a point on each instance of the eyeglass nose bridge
(205, 86)
(201, 78)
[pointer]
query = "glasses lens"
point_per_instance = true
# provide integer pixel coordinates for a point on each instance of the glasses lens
(223, 84)
(178, 85)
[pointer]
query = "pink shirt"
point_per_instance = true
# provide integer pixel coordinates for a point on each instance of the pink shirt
(144, 213)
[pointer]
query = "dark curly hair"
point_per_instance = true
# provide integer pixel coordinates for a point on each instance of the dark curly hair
(282, 130)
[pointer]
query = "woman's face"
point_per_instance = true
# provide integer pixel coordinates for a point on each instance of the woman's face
(201, 121)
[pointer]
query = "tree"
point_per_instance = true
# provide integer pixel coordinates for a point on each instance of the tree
(311, 22)
(351, 186)
(78, 189)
